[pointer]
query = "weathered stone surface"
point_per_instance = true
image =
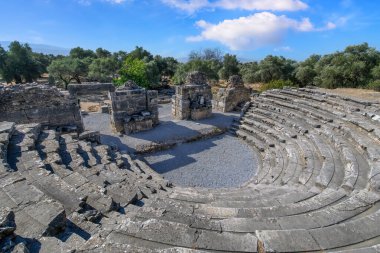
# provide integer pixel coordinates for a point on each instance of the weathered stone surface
(196, 78)
(33, 103)
(316, 190)
(7, 222)
(20, 248)
(233, 97)
(92, 92)
(92, 136)
(134, 109)
(192, 100)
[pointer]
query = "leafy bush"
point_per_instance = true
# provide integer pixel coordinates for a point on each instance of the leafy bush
(135, 70)
(375, 85)
(277, 84)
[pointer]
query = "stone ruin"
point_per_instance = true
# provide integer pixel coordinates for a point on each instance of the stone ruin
(35, 103)
(133, 109)
(91, 92)
(233, 97)
(316, 189)
(193, 99)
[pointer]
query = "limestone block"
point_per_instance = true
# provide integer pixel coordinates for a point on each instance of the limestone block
(133, 108)
(192, 100)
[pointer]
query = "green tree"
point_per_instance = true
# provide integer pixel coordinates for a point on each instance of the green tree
(18, 64)
(276, 68)
(153, 74)
(133, 69)
(81, 53)
(305, 72)
(305, 75)
(375, 72)
(102, 53)
(103, 69)
(207, 61)
(331, 77)
(67, 69)
(250, 72)
(3, 57)
(166, 65)
(350, 68)
(120, 57)
(140, 53)
(230, 66)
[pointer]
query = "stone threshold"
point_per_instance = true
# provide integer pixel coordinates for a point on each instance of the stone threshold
(203, 134)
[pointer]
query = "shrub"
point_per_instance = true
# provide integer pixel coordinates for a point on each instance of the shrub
(375, 85)
(277, 84)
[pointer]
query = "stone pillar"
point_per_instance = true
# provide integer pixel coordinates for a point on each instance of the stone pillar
(233, 97)
(193, 100)
(133, 109)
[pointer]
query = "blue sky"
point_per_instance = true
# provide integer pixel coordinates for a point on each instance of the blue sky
(250, 29)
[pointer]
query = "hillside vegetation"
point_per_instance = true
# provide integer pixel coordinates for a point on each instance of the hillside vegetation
(356, 66)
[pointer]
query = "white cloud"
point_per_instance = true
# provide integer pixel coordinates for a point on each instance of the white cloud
(188, 6)
(115, 1)
(272, 5)
(259, 29)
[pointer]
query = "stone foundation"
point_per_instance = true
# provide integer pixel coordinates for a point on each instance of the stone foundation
(192, 100)
(34, 103)
(233, 97)
(133, 109)
(91, 92)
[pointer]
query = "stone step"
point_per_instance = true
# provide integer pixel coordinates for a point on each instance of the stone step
(160, 231)
(258, 144)
(312, 112)
(325, 198)
(36, 214)
(340, 235)
(328, 166)
(352, 178)
(290, 197)
(373, 249)
(6, 131)
(70, 190)
(353, 114)
(331, 215)
(247, 193)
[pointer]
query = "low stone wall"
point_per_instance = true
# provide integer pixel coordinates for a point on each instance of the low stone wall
(192, 100)
(34, 103)
(133, 110)
(91, 92)
(233, 97)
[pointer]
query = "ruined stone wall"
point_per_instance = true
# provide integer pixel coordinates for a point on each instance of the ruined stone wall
(133, 110)
(92, 92)
(34, 103)
(192, 100)
(233, 97)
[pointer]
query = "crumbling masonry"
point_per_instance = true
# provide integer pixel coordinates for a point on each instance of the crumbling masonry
(134, 109)
(233, 97)
(193, 100)
(34, 103)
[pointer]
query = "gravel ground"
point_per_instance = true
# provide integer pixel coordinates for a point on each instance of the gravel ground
(222, 161)
(167, 130)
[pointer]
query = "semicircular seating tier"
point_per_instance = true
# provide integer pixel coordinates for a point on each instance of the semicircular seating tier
(317, 187)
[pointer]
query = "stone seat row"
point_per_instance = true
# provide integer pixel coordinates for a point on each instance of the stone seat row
(316, 188)
(340, 210)
(56, 184)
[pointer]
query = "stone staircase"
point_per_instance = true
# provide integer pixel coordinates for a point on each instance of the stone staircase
(316, 189)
